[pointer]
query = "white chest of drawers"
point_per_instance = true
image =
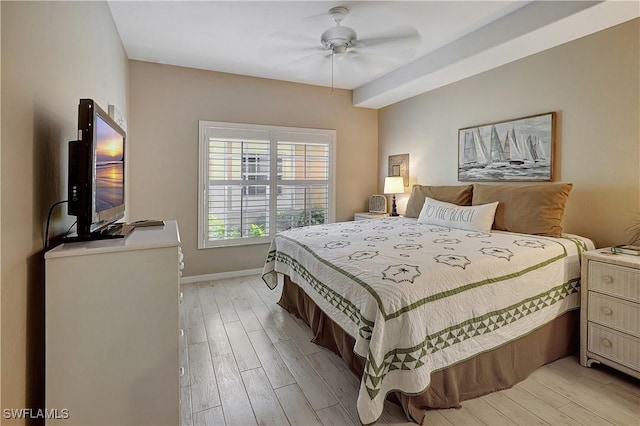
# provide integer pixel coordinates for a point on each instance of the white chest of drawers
(610, 313)
(112, 354)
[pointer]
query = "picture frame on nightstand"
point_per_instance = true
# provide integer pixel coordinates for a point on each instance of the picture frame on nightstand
(377, 204)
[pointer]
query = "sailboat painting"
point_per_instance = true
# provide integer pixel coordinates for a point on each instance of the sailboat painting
(513, 150)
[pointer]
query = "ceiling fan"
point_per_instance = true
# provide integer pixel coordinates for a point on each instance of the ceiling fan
(342, 42)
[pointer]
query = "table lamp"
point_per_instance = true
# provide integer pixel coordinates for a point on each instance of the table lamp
(394, 185)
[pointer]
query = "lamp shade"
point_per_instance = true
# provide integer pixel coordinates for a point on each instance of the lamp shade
(393, 185)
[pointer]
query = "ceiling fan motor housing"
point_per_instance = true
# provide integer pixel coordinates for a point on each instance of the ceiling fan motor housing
(338, 39)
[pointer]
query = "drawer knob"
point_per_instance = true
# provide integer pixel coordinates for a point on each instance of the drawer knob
(607, 279)
(181, 371)
(606, 343)
(607, 311)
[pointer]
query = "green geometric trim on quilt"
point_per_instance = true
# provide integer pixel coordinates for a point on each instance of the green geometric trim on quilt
(433, 297)
(412, 358)
(342, 271)
(335, 299)
(470, 286)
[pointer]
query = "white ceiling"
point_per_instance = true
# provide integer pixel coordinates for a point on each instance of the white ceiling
(281, 40)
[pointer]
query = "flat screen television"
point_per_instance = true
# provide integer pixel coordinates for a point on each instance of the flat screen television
(96, 171)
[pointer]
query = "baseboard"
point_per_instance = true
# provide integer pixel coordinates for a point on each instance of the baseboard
(220, 276)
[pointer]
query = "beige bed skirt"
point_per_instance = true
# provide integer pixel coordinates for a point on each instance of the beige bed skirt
(477, 376)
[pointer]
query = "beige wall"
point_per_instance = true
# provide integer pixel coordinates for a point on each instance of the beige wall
(593, 84)
(53, 54)
(166, 103)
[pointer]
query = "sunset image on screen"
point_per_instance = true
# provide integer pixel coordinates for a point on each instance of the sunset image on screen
(109, 167)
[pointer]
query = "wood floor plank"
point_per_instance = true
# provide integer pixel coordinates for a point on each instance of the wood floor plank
(212, 416)
(339, 385)
(534, 404)
(194, 325)
(225, 307)
(334, 416)
(207, 296)
(624, 393)
(572, 363)
(593, 400)
(582, 415)
(585, 379)
(549, 396)
(512, 410)
(461, 416)
(264, 401)
(434, 418)
(204, 389)
(252, 297)
(241, 346)
(195, 331)
(313, 386)
(290, 326)
(272, 363)
(233, 396)
(246, 315)
(185, 406)
(269, 323)
(342, 365)
(393, 415)
(486, 413)
(217, 335)
(296, 407)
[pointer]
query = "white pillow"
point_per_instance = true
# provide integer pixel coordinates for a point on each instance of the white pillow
(473, 218)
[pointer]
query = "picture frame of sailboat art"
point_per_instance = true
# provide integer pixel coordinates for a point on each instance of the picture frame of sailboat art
(517, 150)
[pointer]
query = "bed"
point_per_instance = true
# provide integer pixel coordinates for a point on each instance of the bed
(429, 313)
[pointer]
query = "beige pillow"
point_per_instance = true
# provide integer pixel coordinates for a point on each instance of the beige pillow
(457, 194)
(526, 209)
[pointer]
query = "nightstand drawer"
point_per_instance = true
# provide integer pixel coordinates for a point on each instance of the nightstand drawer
(615, 313)
(614, 280)
(616, 346)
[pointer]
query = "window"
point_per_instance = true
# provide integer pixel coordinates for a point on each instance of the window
(256, 181)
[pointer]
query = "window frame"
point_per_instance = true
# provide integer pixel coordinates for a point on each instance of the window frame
(273, 131)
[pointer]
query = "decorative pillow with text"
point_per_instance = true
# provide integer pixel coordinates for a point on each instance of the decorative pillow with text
(472, 218)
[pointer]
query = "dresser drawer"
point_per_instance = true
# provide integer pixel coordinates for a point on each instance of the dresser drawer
(614, 280)
(615, 313)
(614, 345)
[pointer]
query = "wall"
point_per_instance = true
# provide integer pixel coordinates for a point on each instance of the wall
(53, 54)
(166, 103)
(593, 83)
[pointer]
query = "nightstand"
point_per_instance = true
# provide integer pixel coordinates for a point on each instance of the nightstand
(369, 215)
(610, 311)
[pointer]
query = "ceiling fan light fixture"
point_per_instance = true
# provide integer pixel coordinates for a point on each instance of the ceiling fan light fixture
(340, 49)
(338, 36)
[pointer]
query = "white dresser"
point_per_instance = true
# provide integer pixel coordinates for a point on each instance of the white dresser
(610, 312)
(112, 329)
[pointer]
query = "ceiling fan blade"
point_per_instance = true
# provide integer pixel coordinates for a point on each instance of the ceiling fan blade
(292, 38)
(318, 56)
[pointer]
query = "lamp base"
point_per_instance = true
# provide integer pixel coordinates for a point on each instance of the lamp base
(394, 212)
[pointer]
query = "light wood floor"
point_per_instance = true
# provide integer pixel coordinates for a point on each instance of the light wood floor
(247, 361)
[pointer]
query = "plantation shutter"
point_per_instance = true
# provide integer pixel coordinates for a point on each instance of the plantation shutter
(256, 181)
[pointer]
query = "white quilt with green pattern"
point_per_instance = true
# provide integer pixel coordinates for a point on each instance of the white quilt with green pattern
(418, 298)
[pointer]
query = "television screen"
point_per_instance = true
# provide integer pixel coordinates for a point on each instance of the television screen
(109, 167)
(96, 171)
